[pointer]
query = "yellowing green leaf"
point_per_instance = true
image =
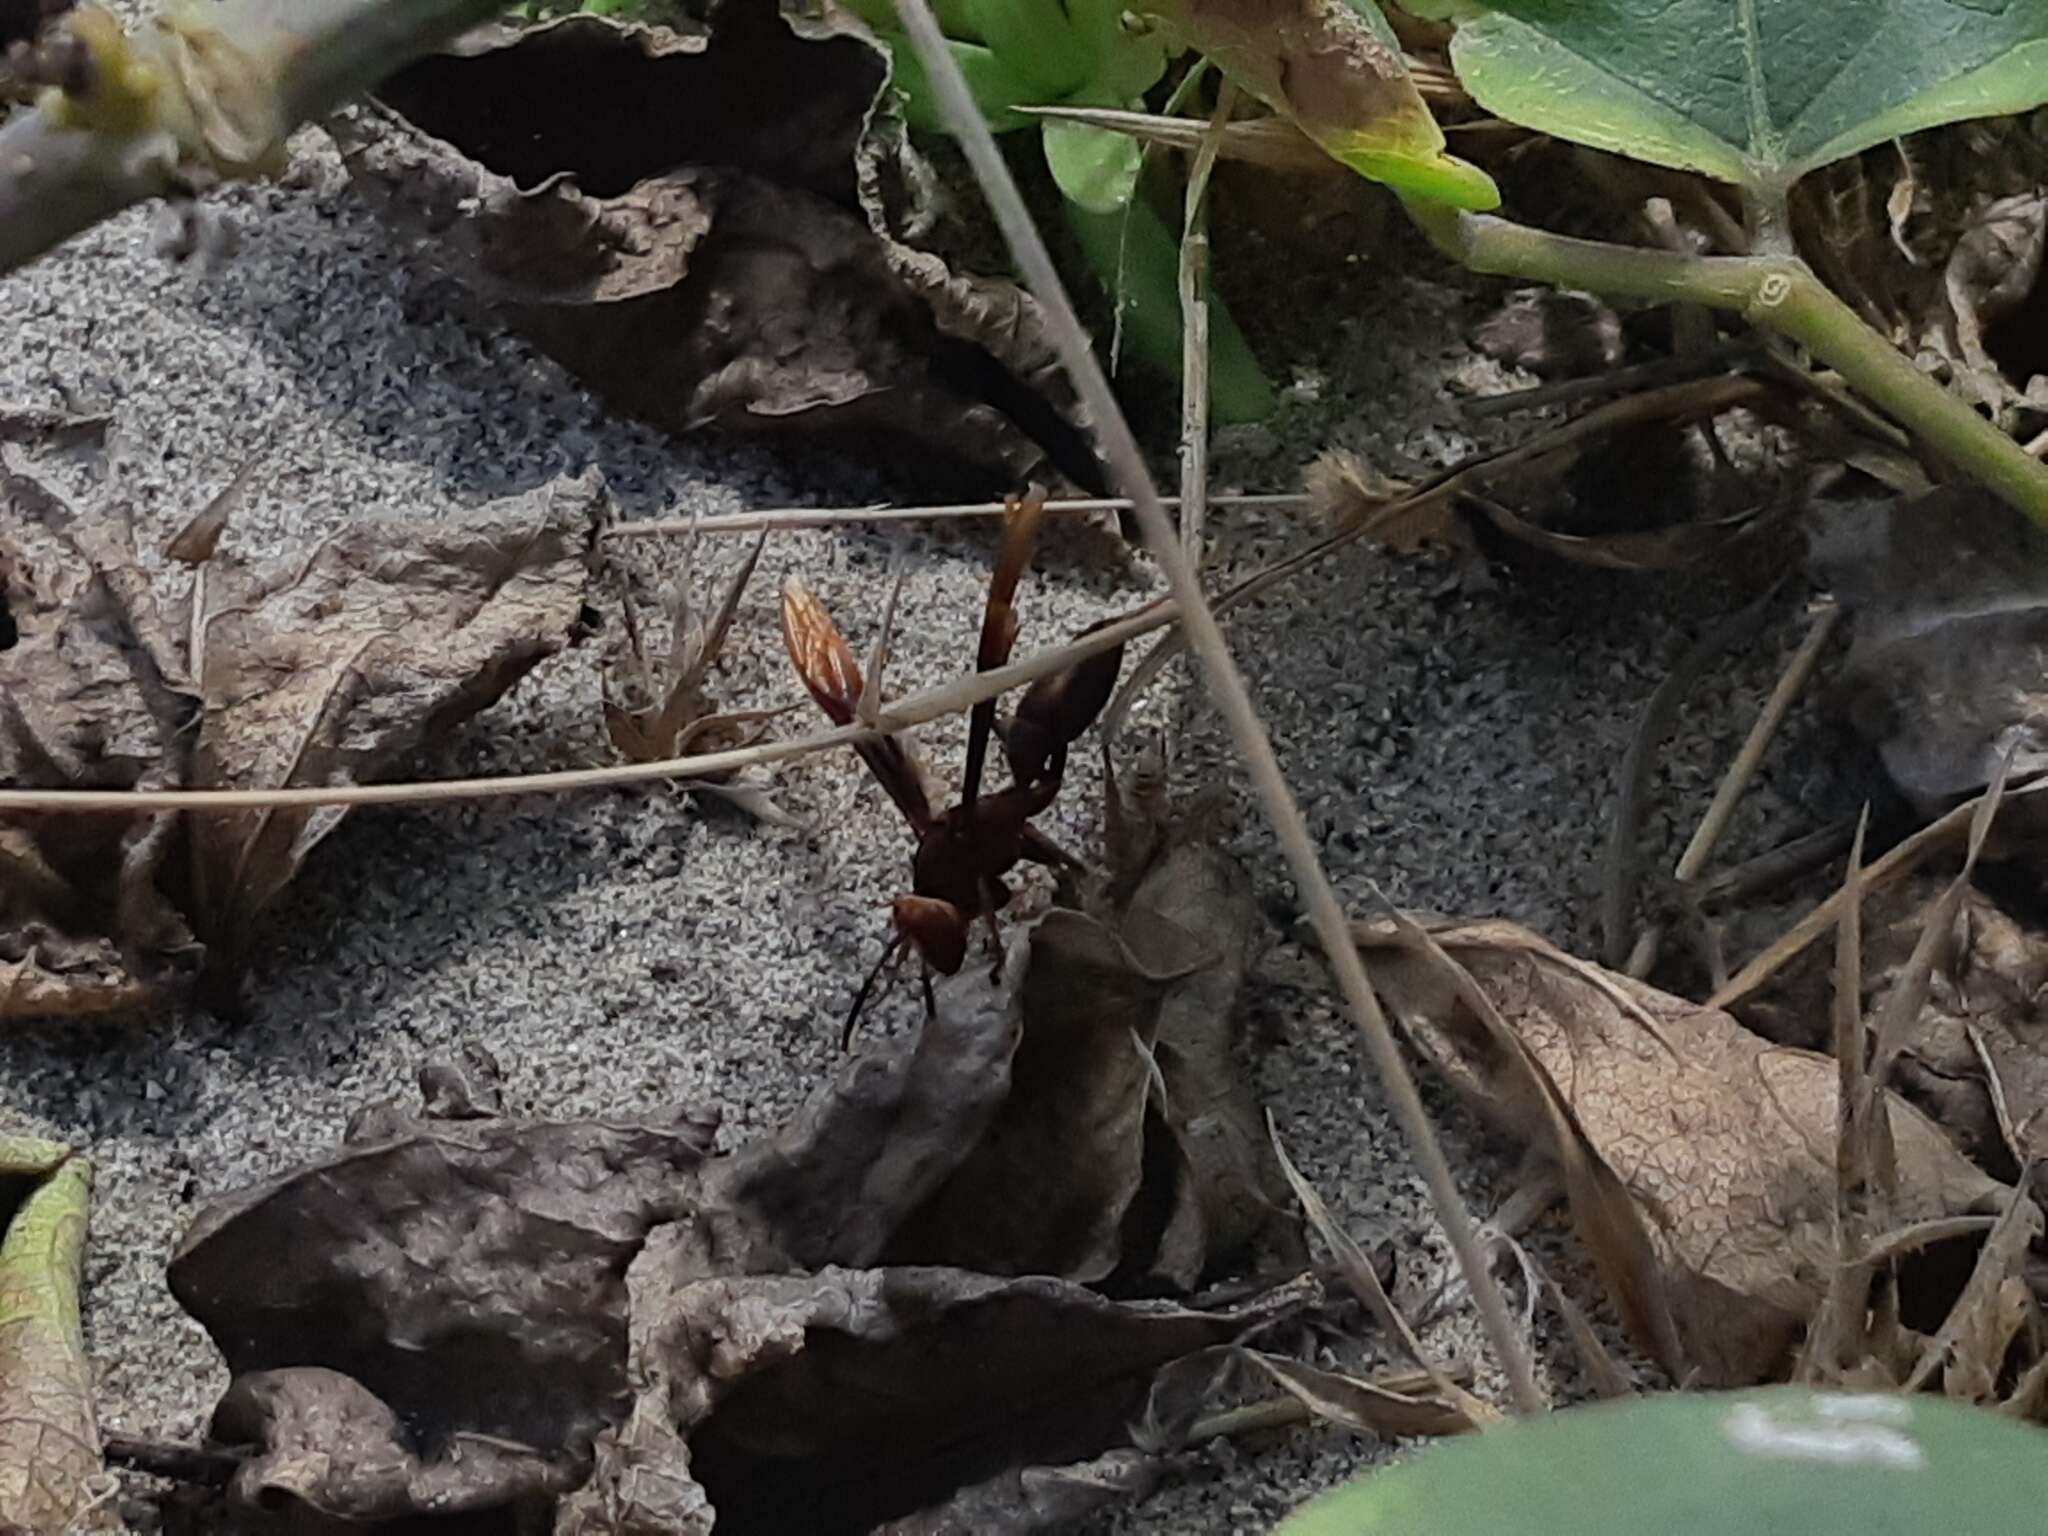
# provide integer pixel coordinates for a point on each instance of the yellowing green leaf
(49, 1444)
(1336, 71)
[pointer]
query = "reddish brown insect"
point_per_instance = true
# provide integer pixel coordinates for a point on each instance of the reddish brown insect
(963, 852)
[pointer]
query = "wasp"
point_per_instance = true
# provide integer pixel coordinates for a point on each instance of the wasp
(965, 852)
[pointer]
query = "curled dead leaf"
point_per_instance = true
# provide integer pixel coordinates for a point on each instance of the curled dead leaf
(698, 225)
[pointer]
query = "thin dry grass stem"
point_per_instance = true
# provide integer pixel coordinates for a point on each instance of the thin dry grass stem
(1620, 860)
(1894, 866)
(1283, 1412)
(869, 707)
(1918, 1236)
(1194, 309)
(788, 519)
(1364, 1281)
(1735, 782)
(1998, 1260)
(1609, 1380)
(1724, 359)
(2012, 1134)
(1837, 1339)
(1227, 688)
(1908, 996)
(948, 698)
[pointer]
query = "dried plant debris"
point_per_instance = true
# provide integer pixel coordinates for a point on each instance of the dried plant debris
(683, 1339)
(1938, 240)
(1086, 1117)
(323, 667)
(49, 1439)
(1553, 333)
(1129, 1150)
(1035, 1498)
(1947, 595)
(1975, 1056)
(1699, 1157)
(701, 227)
(653, 712)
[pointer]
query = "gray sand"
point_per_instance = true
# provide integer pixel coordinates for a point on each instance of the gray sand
(623, 950)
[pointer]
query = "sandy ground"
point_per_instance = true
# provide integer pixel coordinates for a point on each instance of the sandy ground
(623, 950)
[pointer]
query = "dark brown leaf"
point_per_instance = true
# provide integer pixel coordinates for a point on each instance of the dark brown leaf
(1984, 1019)
(1991, 272)
(327, 1447)
(324, 670)
(1947, 597)
(1723, 1141)
(832, 1403)
(471, 1274)
(603, 1305)
(1130, 1150)
(1552, 333)
(699, 227)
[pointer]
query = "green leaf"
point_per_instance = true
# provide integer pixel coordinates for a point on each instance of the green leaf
(49, 1444)
(1138, 260)
(1036, 41)
(1123, 62)
(995, 87)
(1333, 67)
(1092, 166)
(1757, 92)
(1784, 1459)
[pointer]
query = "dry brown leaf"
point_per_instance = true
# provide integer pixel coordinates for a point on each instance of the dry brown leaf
(1129, 1151)
(1723, 1142)
(1553, 333)
(1991, 272)
(1947, 598)
(1351, 493)
(1035, 1498)
(323, 667)
(703, 227)
(1983, 1022)
(605, 1307)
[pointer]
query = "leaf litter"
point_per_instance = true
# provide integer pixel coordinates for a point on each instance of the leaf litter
(1698, 1157)
(328, 665)
(720, 227)
(495, 1314)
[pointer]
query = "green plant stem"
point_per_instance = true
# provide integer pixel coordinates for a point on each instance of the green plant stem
(1776, 292)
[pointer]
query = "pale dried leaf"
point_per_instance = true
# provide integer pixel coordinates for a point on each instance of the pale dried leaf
(1725, 1148)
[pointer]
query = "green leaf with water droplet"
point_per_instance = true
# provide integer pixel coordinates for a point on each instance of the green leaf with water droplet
(1711, 1464)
